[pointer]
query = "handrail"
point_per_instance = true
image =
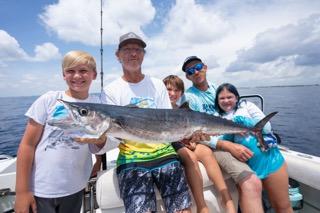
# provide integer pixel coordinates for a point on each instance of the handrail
(255, 96)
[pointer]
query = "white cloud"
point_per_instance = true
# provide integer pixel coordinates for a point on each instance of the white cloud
(10, 49)
(191, 23)
(240, 26)
(79, 20)
(298, 43)
(189, 29)
(273, 41)
(32, 82)
(46, 52)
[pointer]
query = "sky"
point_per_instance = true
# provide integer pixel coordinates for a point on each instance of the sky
(248, 43)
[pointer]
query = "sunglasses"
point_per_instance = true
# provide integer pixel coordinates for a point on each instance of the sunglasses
(192, 70)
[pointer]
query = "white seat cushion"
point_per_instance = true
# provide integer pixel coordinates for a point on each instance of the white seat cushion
(108, 192)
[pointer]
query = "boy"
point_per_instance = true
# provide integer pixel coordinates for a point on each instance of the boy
(52, 168)
(190, 155)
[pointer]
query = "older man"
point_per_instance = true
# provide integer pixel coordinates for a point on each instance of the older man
(141, 165)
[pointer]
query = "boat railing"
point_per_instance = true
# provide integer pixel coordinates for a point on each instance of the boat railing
(255, 96)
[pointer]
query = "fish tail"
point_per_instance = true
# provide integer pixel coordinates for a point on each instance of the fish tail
(258, 129)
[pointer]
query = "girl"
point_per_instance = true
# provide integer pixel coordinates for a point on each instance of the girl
(269, 165)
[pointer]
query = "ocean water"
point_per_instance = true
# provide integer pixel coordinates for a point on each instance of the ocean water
(297, 123)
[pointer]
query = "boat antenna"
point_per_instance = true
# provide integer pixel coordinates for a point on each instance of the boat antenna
(101, 48)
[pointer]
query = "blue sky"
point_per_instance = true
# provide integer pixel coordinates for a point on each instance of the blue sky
(247, 42)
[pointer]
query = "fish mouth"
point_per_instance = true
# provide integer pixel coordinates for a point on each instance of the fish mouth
(82, 117)
(63, 116)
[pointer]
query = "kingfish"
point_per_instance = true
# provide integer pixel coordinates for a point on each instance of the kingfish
(148, 125)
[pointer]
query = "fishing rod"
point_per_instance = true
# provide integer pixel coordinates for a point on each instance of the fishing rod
(101, 48)
(104, 156)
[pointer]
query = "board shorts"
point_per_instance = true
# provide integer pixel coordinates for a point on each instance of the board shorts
(136, 185)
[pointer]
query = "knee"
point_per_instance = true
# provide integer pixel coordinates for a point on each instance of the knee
(193, 161)
(190, 160)
(251, 186)
(282, 205)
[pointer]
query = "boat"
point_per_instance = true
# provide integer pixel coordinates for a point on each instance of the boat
(7, 182)
(102, 194)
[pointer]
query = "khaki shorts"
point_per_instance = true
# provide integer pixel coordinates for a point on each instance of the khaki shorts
(238, 170)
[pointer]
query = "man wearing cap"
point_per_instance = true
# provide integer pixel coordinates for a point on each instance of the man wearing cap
(201, 97)
(141, 165)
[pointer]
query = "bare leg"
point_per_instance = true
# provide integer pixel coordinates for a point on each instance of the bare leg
(250, 195)
(206, 157)
(194, 177)
(276, 185)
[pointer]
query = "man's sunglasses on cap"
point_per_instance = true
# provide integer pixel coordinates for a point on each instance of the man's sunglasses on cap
(192, 70)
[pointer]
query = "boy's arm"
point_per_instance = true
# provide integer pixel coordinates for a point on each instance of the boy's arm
(25, 157)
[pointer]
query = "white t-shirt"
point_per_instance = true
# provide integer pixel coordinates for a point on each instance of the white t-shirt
(61, 166)
(150, 93)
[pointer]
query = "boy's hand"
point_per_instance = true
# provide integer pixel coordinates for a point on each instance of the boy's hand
(24, 202)
(196, 137)
(100, 142)
(192, 141)
(191, 146)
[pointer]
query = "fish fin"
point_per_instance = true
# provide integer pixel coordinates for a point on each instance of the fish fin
(258, 129)
(265, 120)
(185, 105)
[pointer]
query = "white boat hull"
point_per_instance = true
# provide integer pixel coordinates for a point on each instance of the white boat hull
(301, 167)
(7, 182)
(305, 169)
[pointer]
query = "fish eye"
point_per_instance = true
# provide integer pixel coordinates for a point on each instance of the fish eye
(83, 112)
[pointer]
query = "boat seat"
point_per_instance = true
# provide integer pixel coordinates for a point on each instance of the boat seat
(107, 191)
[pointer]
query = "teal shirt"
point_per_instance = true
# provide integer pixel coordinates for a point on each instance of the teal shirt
(201, 101)
(262, 163)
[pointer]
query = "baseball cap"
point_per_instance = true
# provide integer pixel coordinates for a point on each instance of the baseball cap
(188, 60)
(131, 36)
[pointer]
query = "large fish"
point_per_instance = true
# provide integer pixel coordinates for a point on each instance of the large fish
(147, 125)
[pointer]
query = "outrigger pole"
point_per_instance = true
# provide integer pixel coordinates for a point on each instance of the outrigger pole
(104, 156)
(101, 47)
